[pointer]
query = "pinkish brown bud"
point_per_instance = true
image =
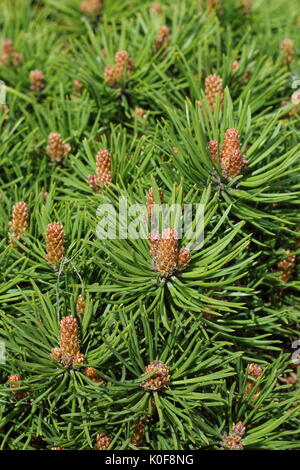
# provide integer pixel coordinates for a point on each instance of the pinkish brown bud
(56, 149)
(102, 442)
(80, 305)
(37, 80)
(159, 379)
(213, 5)
(162, 38)
(92, 374)
(91, 7)
(138, 434)
(15, 382)
(110, 75)
(233, 441)
(184, 258)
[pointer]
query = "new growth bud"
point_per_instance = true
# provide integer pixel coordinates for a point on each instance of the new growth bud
(102, 441)
(37, 82)
(55, 243)
(159, 379)
(122, 69)
(68, 353)
(233, 441)
(166, 254)
(232, 161)
(56, 149)
(19, 222)
(162, 38)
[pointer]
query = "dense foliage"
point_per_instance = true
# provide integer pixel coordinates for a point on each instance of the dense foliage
(199, 106)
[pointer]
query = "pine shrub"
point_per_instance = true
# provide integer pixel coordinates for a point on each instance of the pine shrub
(149, 343)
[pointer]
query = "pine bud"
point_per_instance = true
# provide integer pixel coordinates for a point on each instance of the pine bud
(91, 7)
(12, 380)
(167, 253)
(17, 59)
(103, 168)
(55, 243)
(56, 149)
(110, 75)
(213, 5)
(153, 239)
(121, 57)
(69, 338)
(159, 379)
(287, 267)
(156, 8)
(254, 371)
(68, 353)
(184, 258)
(239, 428)
(290, 378)
(7, 47)
(140, 113)
(233, 161)
(123, 68)
(123, 64)
(56, 354)
(102, 442)
(162, 38)
(247, 6)
(8, 54)
(19, 222)
(80, 305)
(213, 90)
(138, 434)
(77, 87)
(231, 141)
(92, 374)
(234, 440)
(213, 148)
(36, 78)
(288, 51)
(92, 182)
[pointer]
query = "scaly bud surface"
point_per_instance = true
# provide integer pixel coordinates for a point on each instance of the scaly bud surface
(68, 353)
(56, 149)
(102, 442)
(19, 222)
(159, 379)
(55, 243)
(213, 90)
(37, 82)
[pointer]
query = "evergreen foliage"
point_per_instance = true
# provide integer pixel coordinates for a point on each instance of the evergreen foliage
(214, 339)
